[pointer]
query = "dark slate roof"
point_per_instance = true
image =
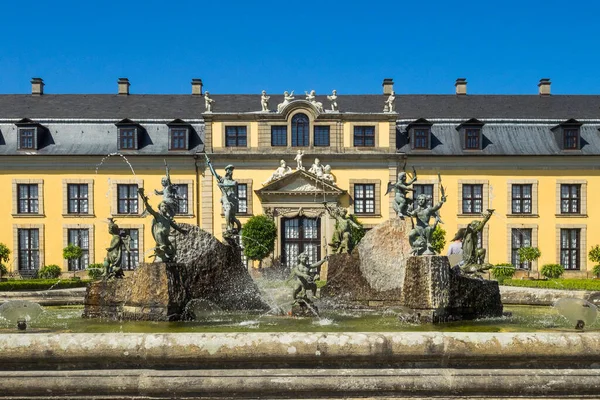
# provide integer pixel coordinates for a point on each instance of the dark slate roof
(106, 106)
(506, 139)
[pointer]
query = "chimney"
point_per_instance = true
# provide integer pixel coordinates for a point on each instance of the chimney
(196, 86)
(544, 87)
(461, 86)
(388, 86)
(123, 86)
(37, 86)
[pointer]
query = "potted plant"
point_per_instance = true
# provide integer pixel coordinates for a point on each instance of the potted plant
(258, 237)
(72, 252)
(594, 256)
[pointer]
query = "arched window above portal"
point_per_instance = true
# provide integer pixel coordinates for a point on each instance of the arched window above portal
(300, 130)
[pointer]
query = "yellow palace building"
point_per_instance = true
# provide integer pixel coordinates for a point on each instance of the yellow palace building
(69, 162)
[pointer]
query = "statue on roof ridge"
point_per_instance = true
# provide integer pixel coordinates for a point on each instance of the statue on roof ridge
(208, 102)
(287, 98)
(389, 103)
(264, 101)
(333, 99)
(312, 98)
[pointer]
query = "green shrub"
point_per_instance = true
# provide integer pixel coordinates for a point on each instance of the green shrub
(565, 284)
(41, 284)
(95, 271)
(503, 271)
(51, 271)
(596, 270)
(529, 254)
(438, 239)
(356, 233)
(552, 271)
(4, 257)
(258, 237)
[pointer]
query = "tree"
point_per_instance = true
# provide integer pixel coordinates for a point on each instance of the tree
(72, 252)
(258, 237)
(4, 257)
(438, 239)
(529, 255)
(594, 256)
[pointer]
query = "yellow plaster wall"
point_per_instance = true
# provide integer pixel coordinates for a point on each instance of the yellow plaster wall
(217, 135)
(253, 134)
(53, 219)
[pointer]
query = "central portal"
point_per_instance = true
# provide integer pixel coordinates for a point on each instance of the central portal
(300, 234)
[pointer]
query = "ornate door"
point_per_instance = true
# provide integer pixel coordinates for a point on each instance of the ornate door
(299, 235)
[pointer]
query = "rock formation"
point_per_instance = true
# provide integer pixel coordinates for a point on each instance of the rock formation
(206, 269)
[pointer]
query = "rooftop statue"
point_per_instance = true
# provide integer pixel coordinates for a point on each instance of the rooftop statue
(298, 160)
(402, 187)
(333, 99)
(473, 257)
(389, 103)
(169, 193)
(114, 252)
(279, 173)
(420, 236)
(161, 230)
(305, 275)
(312, 98)
(341, 241)
(229, 198)
(317, 168)
(208, 102)
(264, 101)
(287, 98)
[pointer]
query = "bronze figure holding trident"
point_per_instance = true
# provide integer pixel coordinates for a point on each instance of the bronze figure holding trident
(229, 197)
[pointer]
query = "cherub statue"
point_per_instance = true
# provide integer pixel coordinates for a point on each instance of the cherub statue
(264, 101)
(402, 187)
(327, 176)
(389, 103)
(312, 98)
(305, 275)
(317, 168)
(341, 241)
(229, 198)
(169, 193)
(333, 99)
(473, 257)
(287, 98)
(279, 173)
(298, 160)
(420, 236)
(208, 102)
(161, 230)
(114, 252)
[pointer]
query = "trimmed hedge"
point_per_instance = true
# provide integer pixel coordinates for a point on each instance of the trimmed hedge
(565, 284)
(41, 284)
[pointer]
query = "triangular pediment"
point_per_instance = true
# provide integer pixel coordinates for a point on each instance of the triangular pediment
(300, 183)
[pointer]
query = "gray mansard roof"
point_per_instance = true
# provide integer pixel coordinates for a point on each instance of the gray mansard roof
(106, 106)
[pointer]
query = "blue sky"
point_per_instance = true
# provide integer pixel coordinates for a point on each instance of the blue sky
(246, 46)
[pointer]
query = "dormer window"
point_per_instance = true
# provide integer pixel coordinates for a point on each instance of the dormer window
(471, 137)
(422, 138)
(420, 134)
(179, 134)
(571, 138)
(27, 138)
(128, 135)
(568, 134)
(28, 134)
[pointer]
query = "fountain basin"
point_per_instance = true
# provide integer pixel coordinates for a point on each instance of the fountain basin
(300, 365)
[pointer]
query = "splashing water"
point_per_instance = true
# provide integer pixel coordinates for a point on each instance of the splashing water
(115, 154)
(578, 311)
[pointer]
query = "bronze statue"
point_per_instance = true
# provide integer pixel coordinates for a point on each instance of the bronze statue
(305, 274)
(420, 236)
(161, 230)
(169, 193)
(229, 198)
(114, 253)
(473, 257)
(402, 187)
(341, 241)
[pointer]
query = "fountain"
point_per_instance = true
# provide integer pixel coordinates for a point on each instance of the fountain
(20, 312)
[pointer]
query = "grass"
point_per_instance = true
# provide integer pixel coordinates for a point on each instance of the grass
(565, 284)
(41, 284)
